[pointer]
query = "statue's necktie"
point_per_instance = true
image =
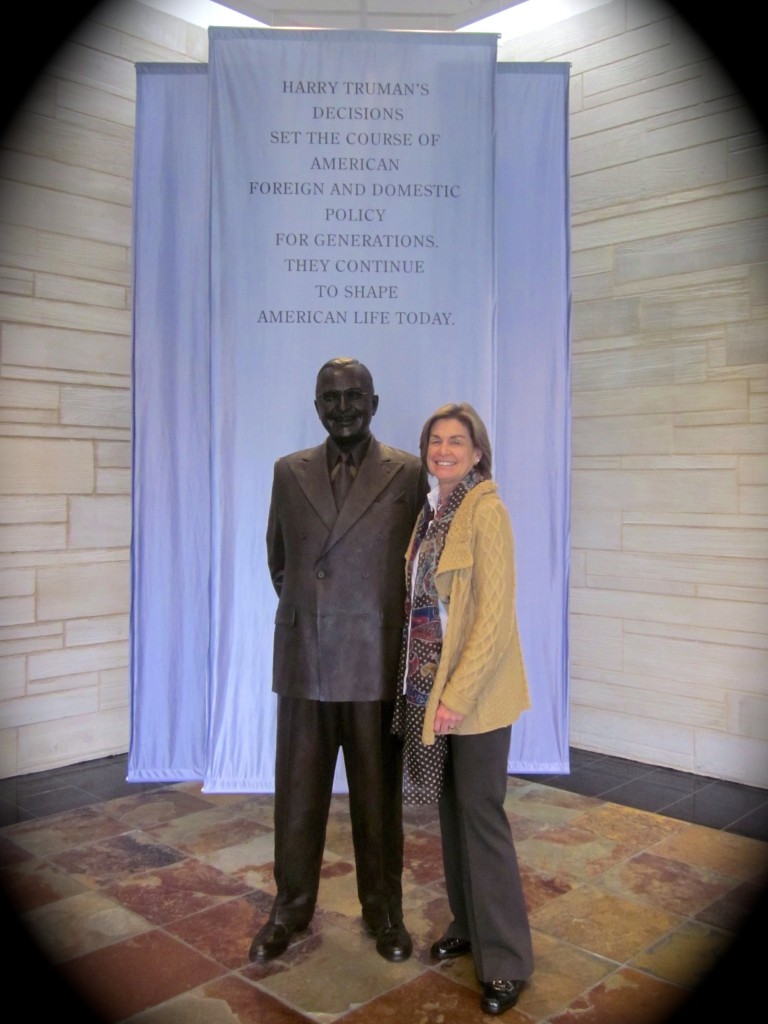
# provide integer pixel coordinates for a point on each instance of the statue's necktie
(343, 475)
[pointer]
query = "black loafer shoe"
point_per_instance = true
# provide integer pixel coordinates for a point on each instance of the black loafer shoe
(394, 943)
(448, 947)
(499, 996)
(269, 941)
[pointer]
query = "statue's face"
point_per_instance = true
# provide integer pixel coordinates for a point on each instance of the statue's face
(345, 403)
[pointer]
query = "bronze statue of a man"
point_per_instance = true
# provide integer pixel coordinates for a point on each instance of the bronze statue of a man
(340, 520)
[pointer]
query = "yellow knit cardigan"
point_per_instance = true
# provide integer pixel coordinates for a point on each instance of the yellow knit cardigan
(481, 674)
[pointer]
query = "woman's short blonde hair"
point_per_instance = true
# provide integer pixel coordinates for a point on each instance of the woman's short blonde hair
(463, 412)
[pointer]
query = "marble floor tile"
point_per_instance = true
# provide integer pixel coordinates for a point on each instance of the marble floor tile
(604, 923)
(542, 889)
(570, 851)
(214, 828)
(685, 956)
(625, 997)
(738, 856)
(632, 829)
(35, 882)
(45, 837)
(176, 891)
(80, 924)
(230, 1000)
(224, 932)
(124, 855)
(147, 809)
(430, 997)
(682, 888)
(561, 974)
(544, 804)
(323, 982)
(250, 860)
(731, 911)
(126, 977)
(422, 857)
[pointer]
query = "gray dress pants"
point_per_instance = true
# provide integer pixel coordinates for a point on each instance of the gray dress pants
(481, 872)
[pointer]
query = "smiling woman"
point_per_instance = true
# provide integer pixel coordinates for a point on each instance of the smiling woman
(451, 453)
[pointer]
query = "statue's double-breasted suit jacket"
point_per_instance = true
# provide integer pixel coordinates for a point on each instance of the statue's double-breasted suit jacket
(339, 575)
(338, 628)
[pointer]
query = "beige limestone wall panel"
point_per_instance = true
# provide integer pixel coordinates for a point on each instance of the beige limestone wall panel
(599, 115)
(96, 407)
(741, 616)
(13, 678)
(663, 491)
(23, 394)
(100, 629)
(753, 499)
(68, 146)
(747, 715)
(657, 705)
(664, 398)
(696, 666)
(26, 346)
(655, 742)
(53, 666)
(33, 508)
(69, 289)
(628, 363)
(720, 246)
(65, 214)
(63, 314)
(17, 582)
(113, 481)
(709, 634)
(679, 171)
(15, 610)
(740, 438)
(103, 521)
(82, 699)
(24, 639)
(697, 570)
(49, 744)
(636, 221)
(113, 455)
(35, 466)
(744, 756)
(747, 345)
(33, 537)
(41, 172)
(595, 643)
(601, 530)
(114, 689)
(45, 251)
(77, 591)
(622, 435)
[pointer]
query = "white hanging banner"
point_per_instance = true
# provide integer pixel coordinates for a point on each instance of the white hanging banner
(532, 446)
(351, 214)
(396, 197)
(170, 548)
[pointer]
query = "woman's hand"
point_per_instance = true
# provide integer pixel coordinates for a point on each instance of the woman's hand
(446, 721)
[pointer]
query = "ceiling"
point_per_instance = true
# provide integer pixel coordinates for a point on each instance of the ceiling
(434, 15)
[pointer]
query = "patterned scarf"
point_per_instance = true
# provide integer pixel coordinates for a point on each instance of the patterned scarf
(422, 646)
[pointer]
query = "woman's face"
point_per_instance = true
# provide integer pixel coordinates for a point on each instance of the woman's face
(450, 453)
